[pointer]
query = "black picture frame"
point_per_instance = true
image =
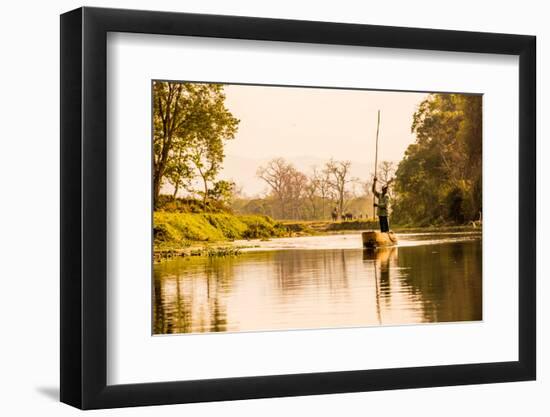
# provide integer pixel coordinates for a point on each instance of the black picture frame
(84, 207)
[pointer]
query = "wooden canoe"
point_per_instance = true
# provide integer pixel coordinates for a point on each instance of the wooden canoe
(378, 239)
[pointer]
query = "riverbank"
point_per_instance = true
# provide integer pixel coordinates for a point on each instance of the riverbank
(225, 234)
(209, 234)
(214, 234)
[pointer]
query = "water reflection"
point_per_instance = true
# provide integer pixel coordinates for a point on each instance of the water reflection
(380, 259)
(295, 289)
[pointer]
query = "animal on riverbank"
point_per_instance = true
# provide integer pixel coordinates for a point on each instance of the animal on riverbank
(347, 216)
(334, 215)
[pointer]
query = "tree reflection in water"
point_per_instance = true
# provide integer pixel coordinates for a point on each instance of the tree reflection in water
(380, 259)
(296, 289)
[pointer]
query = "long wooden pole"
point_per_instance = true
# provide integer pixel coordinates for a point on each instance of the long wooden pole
(376, 160)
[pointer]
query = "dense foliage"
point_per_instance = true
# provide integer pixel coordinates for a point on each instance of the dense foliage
(440, 177)
(190, 125)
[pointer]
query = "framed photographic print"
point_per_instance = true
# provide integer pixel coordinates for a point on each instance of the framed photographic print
(257, 207)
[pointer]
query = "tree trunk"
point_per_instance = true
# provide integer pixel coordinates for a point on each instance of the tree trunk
(205, 194)
(159, 169)
(341, 203)
(156, 190)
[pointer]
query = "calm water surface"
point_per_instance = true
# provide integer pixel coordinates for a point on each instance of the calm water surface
(322, 281)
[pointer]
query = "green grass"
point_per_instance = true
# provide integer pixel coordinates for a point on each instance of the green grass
(184, 229)
(177, 231)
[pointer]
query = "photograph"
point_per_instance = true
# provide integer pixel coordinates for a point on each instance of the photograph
(287, 207)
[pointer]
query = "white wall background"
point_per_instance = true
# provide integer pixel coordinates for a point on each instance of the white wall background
(29, 175)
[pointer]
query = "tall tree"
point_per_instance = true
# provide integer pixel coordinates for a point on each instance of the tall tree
(276, 173)
(439, 179)
(338, 174)
(169, 103)
(287, 185)
(295, 190)
(312, 193)
(324, 189)
(190, 123)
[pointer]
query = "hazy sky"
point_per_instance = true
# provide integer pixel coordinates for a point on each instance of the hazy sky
(310, 125)
(286, 121)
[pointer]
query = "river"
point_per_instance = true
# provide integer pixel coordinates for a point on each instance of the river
(322, 282)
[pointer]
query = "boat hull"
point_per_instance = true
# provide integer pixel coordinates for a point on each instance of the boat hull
(378, 239)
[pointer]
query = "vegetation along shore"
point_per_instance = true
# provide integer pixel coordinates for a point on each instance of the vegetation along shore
(215, 234)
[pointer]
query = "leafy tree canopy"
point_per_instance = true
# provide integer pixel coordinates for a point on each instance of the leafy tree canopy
(191, 123)
(439, 178)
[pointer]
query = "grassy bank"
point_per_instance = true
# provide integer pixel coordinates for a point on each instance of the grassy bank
(211, 234)
(179, 230)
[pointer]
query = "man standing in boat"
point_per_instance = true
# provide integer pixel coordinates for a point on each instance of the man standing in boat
(382, 206)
